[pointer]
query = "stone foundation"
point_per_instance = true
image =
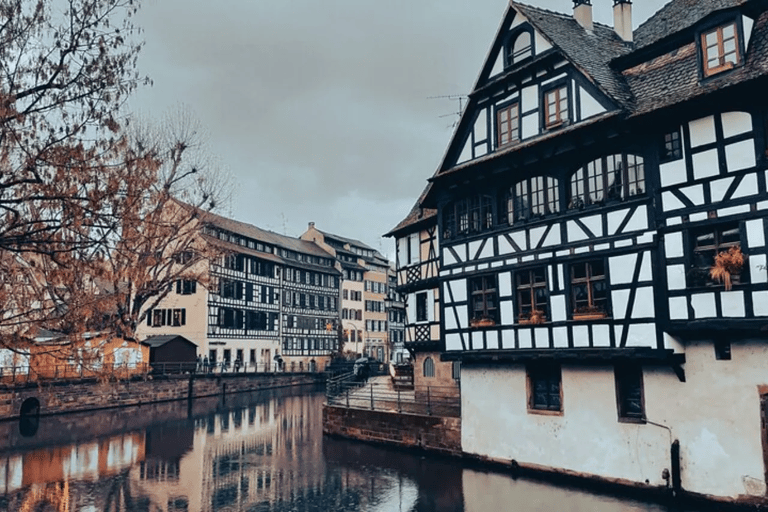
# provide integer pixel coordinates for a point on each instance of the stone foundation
(433, 433)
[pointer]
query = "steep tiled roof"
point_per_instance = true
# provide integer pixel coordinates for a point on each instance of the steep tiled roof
(678, 15)
(591, 52)
(673, 77)
(269, 237)
(417, 214)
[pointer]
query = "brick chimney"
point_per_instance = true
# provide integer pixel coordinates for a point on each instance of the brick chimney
(311, 225)
(622, 19)
(582, 13)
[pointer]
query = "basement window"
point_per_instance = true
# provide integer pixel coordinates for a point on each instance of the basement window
(545, 390)
(629, 393)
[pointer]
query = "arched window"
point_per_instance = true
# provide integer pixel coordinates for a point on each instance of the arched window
(518, 48)
(611, 178)
(534, 197)
(429, 367)
(467, 216)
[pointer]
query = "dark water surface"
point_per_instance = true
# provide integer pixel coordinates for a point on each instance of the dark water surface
(260, 452)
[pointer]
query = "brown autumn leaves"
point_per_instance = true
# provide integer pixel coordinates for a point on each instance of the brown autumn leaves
(99, 213)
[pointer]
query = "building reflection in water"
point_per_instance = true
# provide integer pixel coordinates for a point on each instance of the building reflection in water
(260, 453)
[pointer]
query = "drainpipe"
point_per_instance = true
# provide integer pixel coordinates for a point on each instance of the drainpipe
(674, 459)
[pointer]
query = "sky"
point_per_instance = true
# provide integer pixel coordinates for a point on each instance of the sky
(327, 111)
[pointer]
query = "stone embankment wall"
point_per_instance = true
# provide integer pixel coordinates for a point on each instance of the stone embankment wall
(433, 433)
(63, 397)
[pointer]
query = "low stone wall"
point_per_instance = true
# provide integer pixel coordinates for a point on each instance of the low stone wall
(85, 395)
(433, 433)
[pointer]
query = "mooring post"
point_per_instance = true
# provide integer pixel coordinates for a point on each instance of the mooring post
(429, 405)
(399, 408)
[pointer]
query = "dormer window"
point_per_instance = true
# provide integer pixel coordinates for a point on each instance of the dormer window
(518, 48)
(720, 49)
(556, 107)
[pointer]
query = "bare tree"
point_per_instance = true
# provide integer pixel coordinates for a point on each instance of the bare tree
(66, 67)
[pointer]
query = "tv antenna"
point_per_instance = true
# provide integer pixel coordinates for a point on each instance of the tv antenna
(453, 97)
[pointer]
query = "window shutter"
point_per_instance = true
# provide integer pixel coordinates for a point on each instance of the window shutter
(149, 317)
(183, 316)
(178, 286)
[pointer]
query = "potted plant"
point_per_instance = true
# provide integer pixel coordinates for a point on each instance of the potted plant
(535, 317)
(482, 321)
(727, 264)
(589, 313)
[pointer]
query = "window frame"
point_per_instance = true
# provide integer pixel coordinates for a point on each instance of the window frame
(561, 121)
(508, 107)
(468, 216)
(718, 231)
(593, 177)
(550, 373)
(530, 289)
(490, 314)
(548, 199)
(629, 375)
(509, 46)
(422, 307)
(592, 312)
(671, 150)
(718, 29)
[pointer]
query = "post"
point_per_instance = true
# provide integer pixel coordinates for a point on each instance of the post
(371, 395)
(429, 405)
(675, 455)
(399, 408)
(347, 397)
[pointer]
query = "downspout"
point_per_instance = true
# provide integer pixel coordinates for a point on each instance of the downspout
(674, 457)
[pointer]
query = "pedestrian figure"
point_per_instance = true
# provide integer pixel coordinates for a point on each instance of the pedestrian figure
(199, 365)
(237, 365)
(205, 364)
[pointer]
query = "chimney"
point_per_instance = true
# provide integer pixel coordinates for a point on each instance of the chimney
(622, 19)
(311, 225)
(582, 13)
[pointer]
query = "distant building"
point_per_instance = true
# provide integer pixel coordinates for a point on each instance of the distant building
(269, 298)
(364, 292)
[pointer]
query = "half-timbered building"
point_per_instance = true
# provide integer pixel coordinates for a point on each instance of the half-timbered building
(601, 211)
(270, 298)
(417, 264)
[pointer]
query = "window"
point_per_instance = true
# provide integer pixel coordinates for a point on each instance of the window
(508, 124)
(707, 243)
(534, 197)
(722, 349)
(421, 307)
(429, 367)
(544, 387)
(468, 216)
(614, 177)
(484, 301)
(556, 107)
(629, 392)
(671, 148)
(179, 317)
(589, 290)
(720, 49)
(532, 296)
(518, 48)
(186, 287)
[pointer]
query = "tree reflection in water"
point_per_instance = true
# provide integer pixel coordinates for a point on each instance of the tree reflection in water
(261, 452)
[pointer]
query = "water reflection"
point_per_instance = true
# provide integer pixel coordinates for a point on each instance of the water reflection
(255, 453)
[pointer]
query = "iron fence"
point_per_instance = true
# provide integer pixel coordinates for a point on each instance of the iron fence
(73, 371)
(379, 396)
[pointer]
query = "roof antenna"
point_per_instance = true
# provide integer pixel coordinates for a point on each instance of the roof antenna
(460, 97)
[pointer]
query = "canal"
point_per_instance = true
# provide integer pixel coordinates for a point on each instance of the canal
(260, 452)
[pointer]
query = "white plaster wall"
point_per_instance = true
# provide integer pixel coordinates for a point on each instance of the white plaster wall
(715, 415)
(587, 438)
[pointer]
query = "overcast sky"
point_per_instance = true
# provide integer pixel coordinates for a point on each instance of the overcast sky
(324, 110)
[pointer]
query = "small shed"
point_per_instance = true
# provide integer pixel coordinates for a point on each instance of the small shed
(171, 348)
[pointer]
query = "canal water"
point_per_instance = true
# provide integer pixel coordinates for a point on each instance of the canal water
(260, 452)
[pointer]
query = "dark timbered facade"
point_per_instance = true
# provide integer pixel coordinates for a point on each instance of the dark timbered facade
(602, 219)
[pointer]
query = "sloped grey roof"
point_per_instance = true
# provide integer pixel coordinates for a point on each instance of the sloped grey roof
(263, 235)
(591, 52)
(678, 15)
(159, 341)
(674, 77)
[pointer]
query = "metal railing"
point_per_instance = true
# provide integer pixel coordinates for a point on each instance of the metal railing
(379, 396)
(73, 371)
